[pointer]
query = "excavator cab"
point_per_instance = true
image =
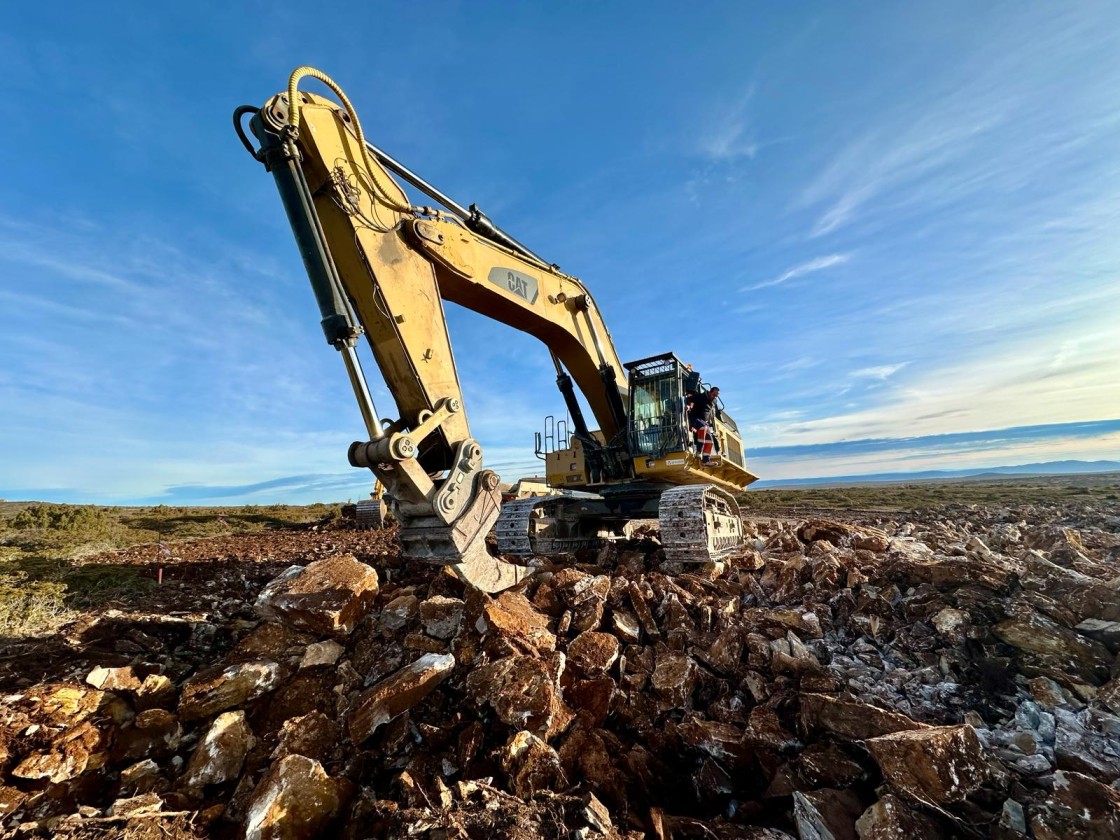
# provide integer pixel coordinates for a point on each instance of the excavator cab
(658, 419)
(661, 441)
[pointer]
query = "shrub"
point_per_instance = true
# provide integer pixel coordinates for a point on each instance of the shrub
(29, 608)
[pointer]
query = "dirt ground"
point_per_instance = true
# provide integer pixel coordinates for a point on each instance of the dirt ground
(784, 694)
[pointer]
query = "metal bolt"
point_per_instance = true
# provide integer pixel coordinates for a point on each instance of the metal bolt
(403, 447)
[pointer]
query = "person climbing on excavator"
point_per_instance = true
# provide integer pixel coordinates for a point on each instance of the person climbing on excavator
(702, 411)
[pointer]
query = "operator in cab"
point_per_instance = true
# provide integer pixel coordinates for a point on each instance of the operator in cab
(702, 411)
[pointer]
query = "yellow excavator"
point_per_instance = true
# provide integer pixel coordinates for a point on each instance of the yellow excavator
(381, 266)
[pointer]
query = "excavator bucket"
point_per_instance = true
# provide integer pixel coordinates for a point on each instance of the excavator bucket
(488, 574)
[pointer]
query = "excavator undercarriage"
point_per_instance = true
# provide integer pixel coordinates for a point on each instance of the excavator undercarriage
(697, 524)
(381, 267)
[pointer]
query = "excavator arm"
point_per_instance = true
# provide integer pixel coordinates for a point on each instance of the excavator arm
(383, 267)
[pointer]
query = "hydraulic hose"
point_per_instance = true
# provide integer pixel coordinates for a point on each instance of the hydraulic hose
(293, 123)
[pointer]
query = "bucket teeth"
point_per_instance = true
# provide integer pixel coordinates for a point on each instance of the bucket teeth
(488, 574)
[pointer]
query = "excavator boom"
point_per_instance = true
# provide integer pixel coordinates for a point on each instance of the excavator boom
(382, 266)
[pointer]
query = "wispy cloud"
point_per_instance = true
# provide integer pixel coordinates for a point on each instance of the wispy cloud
(731, 134)
(879, 162)
(1007, 387)
(818, 264)
(881, 372)
(989, 127)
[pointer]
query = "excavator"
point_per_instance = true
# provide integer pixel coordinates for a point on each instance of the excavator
(382, 266)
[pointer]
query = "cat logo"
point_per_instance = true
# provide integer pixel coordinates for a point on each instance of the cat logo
(521, 284)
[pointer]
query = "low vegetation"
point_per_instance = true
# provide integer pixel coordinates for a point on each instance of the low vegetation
(1091, 488)
(45, 573)
(45, 549)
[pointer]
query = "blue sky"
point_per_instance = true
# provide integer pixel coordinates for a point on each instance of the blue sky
(887, 232)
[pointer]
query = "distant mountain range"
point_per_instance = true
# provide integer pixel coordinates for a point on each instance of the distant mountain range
(1047, 468)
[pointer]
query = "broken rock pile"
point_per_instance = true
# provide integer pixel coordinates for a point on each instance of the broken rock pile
(955, 676)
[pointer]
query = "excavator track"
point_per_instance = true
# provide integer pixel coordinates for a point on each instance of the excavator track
(544, 525)
(699, 524)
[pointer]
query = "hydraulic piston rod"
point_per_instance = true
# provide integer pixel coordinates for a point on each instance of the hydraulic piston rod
(340, 326)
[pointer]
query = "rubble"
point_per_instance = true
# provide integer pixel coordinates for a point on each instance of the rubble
(934, 676)
(293, 802)
(329, 596)
(219, 688)
(397, 694)
(941, 764)
(221, 752)
(1079, 807)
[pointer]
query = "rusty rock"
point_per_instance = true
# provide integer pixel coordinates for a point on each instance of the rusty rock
(523, 692)
(270, 640)
(1035, 633)
(591, 696)
(851, 719)
(114, 679)
(11, 800)
(1078, 807)
(142, 777)
(588, 607)
(877, 543)
(765, 730)
(511, 615)
(441, 616)
(155, 692)
(585, 755)
(593, 653)
(642, 611)
(221, 752)
(294, 801)
(803, 621)
(65, 704)
(77, 751)
(424, 643)
(397, 693)
(154, 733)
(727, 651)
(531, 765)
(219, 688)
(574, 588)
(328, 597)
(941, 764)
(892, 819)
(144, 803)
(595, 814)
(673, 679)
(320, 654)
(313, 735)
